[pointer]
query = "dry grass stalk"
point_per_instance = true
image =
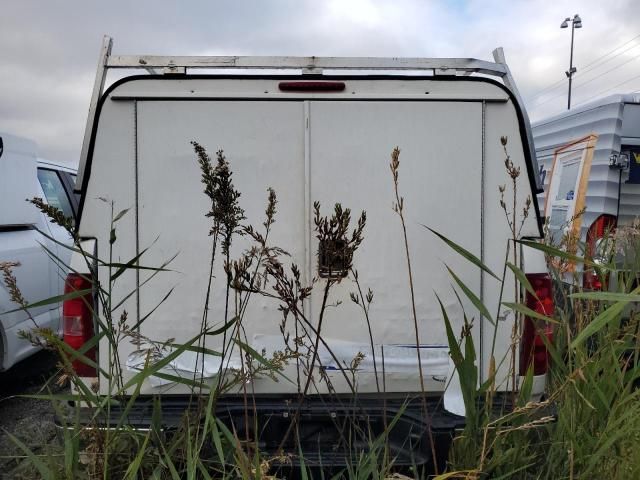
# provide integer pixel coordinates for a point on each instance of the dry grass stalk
(398, 207)
(55, 215)
(9, 279)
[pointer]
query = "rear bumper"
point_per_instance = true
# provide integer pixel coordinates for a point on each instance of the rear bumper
(332, 431)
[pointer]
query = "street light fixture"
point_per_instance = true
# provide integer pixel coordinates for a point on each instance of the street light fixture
(576, 22)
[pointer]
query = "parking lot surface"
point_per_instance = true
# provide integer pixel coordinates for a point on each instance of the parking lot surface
(28, 419)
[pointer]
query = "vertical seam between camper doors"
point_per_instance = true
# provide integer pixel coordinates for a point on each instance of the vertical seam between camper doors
(137, 213)
(482, 200)
(308, 275)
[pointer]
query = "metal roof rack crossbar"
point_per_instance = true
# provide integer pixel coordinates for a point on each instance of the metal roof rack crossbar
(308, 65)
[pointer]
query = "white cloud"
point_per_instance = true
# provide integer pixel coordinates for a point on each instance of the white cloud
(49, 50)
(355, 12)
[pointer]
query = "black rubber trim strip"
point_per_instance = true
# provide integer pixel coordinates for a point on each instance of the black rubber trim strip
(531, 171)
(213, 98)
(68, 186)
(15, 228)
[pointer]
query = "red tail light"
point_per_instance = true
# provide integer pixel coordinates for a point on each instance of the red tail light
(533, 350)
(78, 322)
(603, 225)
(312, 86)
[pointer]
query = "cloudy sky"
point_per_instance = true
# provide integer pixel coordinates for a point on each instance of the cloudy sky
(48, 50)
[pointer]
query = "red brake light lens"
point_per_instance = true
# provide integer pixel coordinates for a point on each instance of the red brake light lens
(604, 225)
(77, 321)
(533, 350)
(312, 86)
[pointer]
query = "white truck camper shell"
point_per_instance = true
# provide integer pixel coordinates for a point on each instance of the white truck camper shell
(309, 145)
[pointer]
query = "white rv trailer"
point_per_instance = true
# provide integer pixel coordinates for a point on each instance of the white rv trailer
(589, 158)
(312, 136)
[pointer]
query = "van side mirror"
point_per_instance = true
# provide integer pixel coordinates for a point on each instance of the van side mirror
(1, 147)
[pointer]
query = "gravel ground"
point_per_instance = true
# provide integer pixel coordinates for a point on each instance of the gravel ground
(28, 419)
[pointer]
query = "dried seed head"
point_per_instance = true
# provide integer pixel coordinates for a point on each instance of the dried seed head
(503, 141)
(39, 337)
(369, 296)
(54, 214)
(526, 208)
(11, 283)
(357, 360)
(336, 246)
(206, 169)
(502, 189)
(271, 208)
(395, 163)
(123, 319)
(225, 209)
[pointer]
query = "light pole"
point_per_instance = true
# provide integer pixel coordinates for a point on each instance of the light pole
(576, 22)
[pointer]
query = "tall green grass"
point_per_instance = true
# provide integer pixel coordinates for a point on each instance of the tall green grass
(586, 426)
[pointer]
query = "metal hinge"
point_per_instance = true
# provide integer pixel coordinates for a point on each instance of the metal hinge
(174, 70)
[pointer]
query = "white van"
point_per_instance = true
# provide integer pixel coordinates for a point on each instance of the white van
(24, 234)
(321, 130)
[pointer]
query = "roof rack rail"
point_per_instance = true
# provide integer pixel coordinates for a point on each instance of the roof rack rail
(308, 65)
